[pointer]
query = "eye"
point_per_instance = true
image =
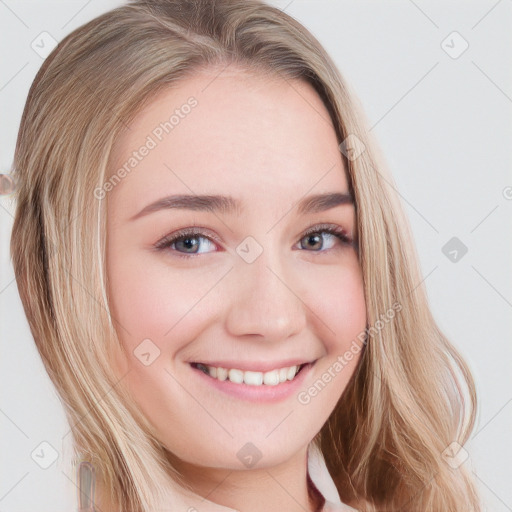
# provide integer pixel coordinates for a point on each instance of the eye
(315, 236)
(187, 239)
(190, 242)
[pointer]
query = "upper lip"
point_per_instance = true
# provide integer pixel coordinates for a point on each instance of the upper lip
(260, 366)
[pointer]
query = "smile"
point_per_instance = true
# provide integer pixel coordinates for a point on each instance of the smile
(270, 378)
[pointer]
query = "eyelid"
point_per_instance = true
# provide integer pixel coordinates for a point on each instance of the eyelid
(328, 227)
(190, 231)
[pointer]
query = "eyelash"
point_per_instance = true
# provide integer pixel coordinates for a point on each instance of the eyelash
(168, 240)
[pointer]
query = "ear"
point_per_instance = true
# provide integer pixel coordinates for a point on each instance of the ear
(7, 184)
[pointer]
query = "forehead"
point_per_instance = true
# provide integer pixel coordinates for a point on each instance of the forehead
(230, 132)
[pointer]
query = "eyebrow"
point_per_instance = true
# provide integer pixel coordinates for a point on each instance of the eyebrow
(229, 205)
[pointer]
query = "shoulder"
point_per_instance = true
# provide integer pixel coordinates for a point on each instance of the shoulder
(337, 507)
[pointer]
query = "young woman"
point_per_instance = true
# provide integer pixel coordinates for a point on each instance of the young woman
(218, 278)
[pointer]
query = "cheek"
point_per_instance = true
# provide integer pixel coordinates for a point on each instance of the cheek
(158, 311)
(340, 306)
(338, 317)
(345, 310)
(154, 301)
(338, 301)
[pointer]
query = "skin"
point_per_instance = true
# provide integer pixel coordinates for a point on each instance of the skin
(268, 142)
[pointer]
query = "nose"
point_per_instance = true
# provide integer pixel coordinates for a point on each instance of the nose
(264, 301)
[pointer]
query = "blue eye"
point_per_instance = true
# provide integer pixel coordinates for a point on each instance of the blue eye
(188, 242)
(331, 230)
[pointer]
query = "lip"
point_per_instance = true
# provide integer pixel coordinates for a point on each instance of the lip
(251, 366)
(263, 393)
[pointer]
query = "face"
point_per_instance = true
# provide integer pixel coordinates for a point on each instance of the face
(218, 303)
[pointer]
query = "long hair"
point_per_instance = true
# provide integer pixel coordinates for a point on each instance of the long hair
(411, 398)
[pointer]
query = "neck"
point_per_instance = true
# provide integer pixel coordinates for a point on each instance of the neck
(287, 486)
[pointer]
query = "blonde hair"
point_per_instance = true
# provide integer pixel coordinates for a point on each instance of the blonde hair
(412, 394)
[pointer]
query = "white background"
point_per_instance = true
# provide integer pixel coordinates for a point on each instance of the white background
(444, 125)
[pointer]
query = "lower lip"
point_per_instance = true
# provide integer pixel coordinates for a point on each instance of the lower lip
(263, 393)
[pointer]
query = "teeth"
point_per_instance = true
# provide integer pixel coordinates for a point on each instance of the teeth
(236, 376)
(222, 373)
(291, 372)
(253, 378)
(271, 378)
